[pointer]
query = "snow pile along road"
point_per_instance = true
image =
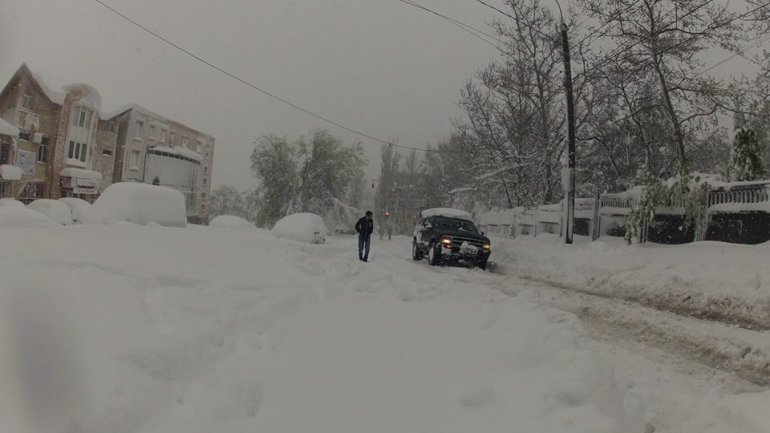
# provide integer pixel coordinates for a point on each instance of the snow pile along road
(711, 280)
(201, 329)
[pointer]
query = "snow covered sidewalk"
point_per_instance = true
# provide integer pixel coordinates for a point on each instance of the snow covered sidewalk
(150, 329)
(710, 280)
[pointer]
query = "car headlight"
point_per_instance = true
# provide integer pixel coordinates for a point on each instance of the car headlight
(447, 242)
(487, 247)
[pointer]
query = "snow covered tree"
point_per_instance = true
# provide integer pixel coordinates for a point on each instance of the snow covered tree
(746, 157)
(307, 175)
(226, 200)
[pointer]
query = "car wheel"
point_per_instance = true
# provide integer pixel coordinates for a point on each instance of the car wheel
(434, 255)
(482, 264)
(416, 253)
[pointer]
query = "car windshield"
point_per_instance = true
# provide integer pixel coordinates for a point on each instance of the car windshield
(456, 224)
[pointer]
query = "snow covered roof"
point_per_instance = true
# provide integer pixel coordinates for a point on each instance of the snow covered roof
(8, 129)
(117, 111)
(53, 96)
(179, 151)
(80, 173)
(445, 212)
(10, 172)
(91, 97)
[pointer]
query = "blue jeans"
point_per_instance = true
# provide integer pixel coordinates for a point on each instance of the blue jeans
(363, 244)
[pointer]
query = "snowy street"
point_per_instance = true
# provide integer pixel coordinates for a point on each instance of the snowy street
(252, 333)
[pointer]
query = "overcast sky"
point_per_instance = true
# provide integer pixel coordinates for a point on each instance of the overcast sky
(380, 66)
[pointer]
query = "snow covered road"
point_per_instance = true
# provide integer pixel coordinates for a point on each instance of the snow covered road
(148, 329)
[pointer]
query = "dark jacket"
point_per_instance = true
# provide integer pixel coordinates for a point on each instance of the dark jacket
(365, 227)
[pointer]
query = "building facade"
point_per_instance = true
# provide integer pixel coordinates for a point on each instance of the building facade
(150, 148)
(64, 147)
(56, 144)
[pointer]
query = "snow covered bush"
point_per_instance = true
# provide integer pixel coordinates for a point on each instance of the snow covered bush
(230, 222)
(21, 217)
(78, 207)
(53, 209)
(138, 203)
(303, 227)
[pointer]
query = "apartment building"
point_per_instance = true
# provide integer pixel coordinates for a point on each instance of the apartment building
(150, 148)
(56, 147)
(56, 144)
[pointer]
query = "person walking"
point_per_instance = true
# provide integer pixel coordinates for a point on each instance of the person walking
(364, 227)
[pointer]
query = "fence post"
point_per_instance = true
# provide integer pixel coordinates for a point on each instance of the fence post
(596, 225)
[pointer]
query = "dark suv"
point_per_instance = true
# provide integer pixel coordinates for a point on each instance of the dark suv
(449, 236)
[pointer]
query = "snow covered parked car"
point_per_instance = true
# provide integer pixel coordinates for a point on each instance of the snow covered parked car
(303, 227)
(53, 209)
(449, 236)
(230, 222)
(78, 207)
(138, 203)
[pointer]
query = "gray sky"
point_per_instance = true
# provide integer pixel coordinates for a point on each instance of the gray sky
(380, 66)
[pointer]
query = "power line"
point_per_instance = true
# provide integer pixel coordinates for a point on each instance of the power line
(618, 51)
(479, 34)
(734, 55)
(255, 87)
(596, 30)
(685, 41)
(518, 20)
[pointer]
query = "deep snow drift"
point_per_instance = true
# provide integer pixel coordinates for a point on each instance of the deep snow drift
(202, 329)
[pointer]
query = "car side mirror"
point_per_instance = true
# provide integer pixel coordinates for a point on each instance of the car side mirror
(427, 226)
(483, 234)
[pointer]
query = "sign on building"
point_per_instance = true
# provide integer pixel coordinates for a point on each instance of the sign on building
(26, 161)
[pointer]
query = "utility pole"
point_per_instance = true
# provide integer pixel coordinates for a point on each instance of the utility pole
(570, 135)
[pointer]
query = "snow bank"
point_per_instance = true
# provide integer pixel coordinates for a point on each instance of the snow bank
(140, 204)
(726, 282)
(78, 207)
(230, 222)
(445, 212)
(53, 209)
(12, 217)
(303, 227)
(10, 202)
(10, 172)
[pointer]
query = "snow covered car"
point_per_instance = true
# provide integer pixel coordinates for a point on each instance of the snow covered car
(302, 227)
(449, 236)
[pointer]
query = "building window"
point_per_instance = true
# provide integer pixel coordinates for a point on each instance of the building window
(184, 141)
(204, 181)
(199, 147)
(77, 151)
(5, 153)
(205, 169)
(139, 128)
(134, 160)
(107, 152)
(82, 117)
(152, 132)
(26, 101)
(42, 153)
(163, 135)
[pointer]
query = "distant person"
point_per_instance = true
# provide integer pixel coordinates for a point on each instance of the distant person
(156, 181)
(364, 228)
(389, 229)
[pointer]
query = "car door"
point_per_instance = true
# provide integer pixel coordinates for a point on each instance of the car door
(427, 231)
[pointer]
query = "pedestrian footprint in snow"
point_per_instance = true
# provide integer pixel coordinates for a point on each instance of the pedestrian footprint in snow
(364, 227)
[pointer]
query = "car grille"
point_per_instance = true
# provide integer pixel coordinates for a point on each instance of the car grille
(457, 242)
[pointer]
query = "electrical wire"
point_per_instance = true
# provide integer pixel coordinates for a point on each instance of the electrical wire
(255, 87)
(479, 34)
